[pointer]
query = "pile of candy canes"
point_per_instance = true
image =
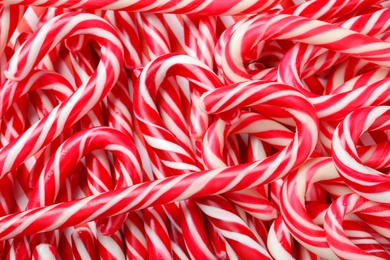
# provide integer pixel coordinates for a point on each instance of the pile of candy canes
(197, 129)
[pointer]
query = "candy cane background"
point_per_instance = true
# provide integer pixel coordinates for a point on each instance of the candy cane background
(194, 129)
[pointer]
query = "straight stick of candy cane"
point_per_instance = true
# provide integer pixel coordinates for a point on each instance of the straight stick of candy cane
(328, 10)
(44, 251)
(199, 34)
(9, 22)
(79, 103)
(154, 34)
(83, 244)
(160, 6)
(126, 25)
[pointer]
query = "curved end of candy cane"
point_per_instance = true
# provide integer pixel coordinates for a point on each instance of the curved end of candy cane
(201, 105)
(12, 73)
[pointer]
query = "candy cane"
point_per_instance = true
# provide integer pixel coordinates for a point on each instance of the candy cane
(285, 74)
(279, 242)
(134, 230)
(12, 125)
(312, 9)
(341, 74)
(83, 244)
(196, 39)
(286, 27)
(44, 251)
(175, 31)
(9, 23)
(335, 234)
(207, 182)
(97, 162)
(221, 213)
(144, 116)
(126, 25)
(328, 10)
(129, 169)
(292, 205)
(258, 150)
(155, 34)
(213, 147)
(18, 90)
(88, 94)
(196, 240)
(365, 181)
(158, 6)
(13, 91)
(167, 211)
(357, 229)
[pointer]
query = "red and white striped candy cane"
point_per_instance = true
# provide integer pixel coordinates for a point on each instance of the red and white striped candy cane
(154, 34)
(170, 230)
(328, 10)
(279, 240)
(79, 103)
(191, 185)
(148, 123)
(15, 92)
(170, 108)
(4, 58)
(12, 91)
(84, 142)
(335, 234)
(221, 213)
(134, 235)
(9, 23)
(44, 251)
(365, 181)
(356, 228)
(160, 6)
(97, 162)
(13, 124)
(258, 150)
(144, 113)
(129, 169)
(322, 10)
(213, 154)
(378, 24)
(293, 210)
(125, 24)
(200, 37)
(199, 40)
(83, 244)
(301, 29)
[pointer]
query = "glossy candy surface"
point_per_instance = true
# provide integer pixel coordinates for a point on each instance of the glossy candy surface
(194, 129)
